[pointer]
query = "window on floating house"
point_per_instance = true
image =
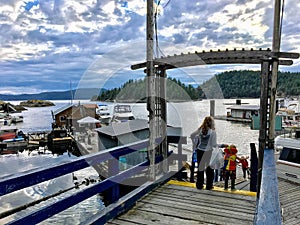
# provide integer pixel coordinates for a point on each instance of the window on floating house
(62, 118)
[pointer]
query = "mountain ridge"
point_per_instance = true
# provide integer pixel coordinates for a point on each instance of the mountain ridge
(77, 94)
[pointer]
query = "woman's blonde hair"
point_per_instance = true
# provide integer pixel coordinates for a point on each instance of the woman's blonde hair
(208, 123)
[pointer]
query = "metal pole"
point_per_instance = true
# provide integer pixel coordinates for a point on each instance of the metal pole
(151, 88)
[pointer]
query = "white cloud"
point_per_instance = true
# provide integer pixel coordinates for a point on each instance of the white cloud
(61, 40)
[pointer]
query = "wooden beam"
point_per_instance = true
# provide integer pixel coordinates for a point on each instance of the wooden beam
(220, 57)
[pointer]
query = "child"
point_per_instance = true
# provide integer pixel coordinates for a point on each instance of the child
(245, 166)
(229, 168)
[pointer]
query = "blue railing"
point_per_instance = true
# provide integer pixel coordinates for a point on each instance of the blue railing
(109, 185)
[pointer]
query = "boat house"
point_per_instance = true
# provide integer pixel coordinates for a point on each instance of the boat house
(117, 134)
(242, 113)
(69, 115)
(123, 133)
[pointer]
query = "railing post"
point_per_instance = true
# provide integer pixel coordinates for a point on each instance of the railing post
(253, 168)
(112, 194)
(268, 207)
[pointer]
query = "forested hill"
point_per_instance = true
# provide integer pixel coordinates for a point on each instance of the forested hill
(233, 84)
(246, 84)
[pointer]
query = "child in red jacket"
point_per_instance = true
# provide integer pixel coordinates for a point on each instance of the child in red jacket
(229, 168)
(245, 166)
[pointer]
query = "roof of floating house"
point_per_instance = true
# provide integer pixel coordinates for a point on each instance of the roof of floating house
(245, 107)
(87, 120)
(116, 129)
(76, 108)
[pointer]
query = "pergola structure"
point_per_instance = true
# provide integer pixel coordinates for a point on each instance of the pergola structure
(156, 77)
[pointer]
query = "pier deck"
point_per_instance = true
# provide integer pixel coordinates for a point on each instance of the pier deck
(181, 203)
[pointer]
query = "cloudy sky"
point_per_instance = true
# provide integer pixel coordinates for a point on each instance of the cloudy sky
(61, 44)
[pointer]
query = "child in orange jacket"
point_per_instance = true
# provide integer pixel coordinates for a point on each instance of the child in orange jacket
(229, 169)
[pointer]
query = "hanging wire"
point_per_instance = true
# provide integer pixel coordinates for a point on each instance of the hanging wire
(281, 19)
(155, 30)
(158, 51)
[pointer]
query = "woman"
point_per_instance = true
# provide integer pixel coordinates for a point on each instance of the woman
(205, 139)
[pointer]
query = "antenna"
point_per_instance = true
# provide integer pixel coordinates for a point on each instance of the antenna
(71, 91)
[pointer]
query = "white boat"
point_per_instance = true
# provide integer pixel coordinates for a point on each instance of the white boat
(5, 119)
(288, 163)
(16, 118)
(289, 111)
(122, 113)
(103, 112)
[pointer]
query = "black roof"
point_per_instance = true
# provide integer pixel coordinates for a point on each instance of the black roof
(116, 129)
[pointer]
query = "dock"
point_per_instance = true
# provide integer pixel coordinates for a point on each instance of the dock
(182, 203)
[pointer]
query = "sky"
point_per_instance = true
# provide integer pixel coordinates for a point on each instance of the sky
(55, 45)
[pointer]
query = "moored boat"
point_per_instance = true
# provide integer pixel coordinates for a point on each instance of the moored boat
(103, 113)
(8, 132)
(288, 164)
(122, 113)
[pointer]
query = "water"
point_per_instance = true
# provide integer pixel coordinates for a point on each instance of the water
(187, 115)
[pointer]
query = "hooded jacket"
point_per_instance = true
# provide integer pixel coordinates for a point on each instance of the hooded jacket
(230, 158)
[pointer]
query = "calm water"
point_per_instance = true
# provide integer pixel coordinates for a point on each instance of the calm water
(187, 115)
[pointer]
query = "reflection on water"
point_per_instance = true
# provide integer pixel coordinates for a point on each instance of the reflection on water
(187, 115)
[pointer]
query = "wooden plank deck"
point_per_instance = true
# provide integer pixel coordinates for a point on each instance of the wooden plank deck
(175, 204)
(181, 203)
(289, 195)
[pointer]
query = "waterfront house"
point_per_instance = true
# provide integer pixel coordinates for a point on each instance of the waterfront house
(242, 113)
(68, 115)
(117, 134)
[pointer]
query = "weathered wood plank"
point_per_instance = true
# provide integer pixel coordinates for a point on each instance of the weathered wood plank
(289, 193)
(171, 204)
(152, 218)
(204, 197)
(120, 222)
(199, 207)
(193, 213)
(220, 57)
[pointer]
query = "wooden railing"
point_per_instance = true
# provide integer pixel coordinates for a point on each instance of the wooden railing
(110, 185)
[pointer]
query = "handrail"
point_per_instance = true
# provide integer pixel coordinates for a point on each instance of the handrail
(111, 184)
(21, 180)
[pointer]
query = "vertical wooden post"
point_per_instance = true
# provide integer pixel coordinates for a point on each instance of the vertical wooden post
(151, 88)
(253, 168)
(275, 49)
(264, 89)
(212, 108)
(112, 194)
(163, 123)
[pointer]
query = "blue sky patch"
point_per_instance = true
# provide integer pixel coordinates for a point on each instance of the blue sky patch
(29, 5)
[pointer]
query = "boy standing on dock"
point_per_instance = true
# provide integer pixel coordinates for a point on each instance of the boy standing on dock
(229, 168)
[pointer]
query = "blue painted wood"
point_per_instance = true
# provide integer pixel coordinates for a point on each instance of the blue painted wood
(113, 193)
(50, 210)
(20, 180)
(63, 204)
(127, 202)
(268, 207)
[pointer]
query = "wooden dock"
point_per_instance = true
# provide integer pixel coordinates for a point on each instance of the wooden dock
(289, 193)
(181, 203)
